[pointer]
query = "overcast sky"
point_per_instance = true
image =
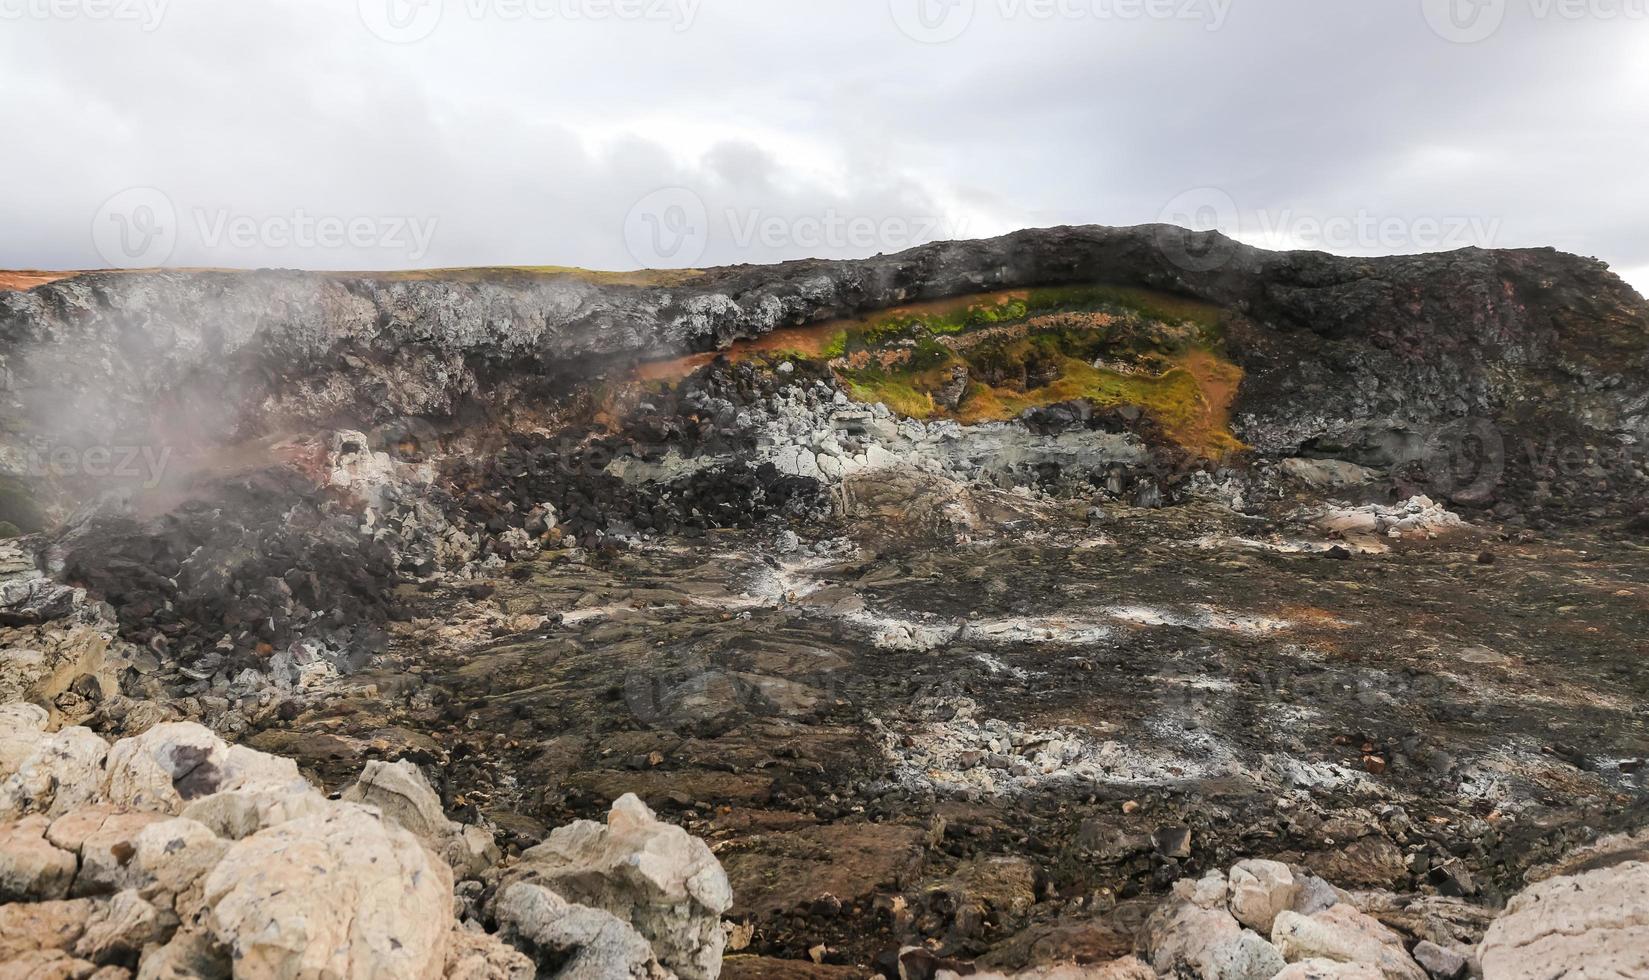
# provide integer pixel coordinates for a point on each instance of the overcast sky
(621, 133)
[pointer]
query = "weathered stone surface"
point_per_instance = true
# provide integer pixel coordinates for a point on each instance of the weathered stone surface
(1344, 935)
(119, 929)
(654, 875)
(1596, 921)
(191, 954)
(478, 956)
(1260, 890)
(400, 790)
(343, 894)
(1329, 970)
(27, 927)
(1441, 963)
(172, 764)
(164, 859)
(31, 868)
(1206, 943)
(574, 942)
(22, 726)
(1126, 968)
(64, 772)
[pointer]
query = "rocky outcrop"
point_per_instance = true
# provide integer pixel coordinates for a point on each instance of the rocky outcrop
(179, 855)
(644, 872)
(1350, 351)
(1592, 923)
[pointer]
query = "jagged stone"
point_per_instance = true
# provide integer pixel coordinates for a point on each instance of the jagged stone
(1329, 970)
(22, 726)
(119, 929)
(164, 859)
(1206, 943)
(1597, 918)
(1344, 935)
(29, 927)
(32, 869)
(654, 875)
(478, 956)
(1260, 890)
(172, 764)
(573, 942)
(343, 894)
(63, 773)
(400, 790)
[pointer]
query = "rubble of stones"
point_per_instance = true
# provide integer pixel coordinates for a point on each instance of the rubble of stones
(428, 453)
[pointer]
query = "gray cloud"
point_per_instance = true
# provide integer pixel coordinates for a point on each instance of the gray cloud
(529, 131)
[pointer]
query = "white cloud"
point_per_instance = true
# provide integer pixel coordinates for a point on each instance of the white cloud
(530, 139)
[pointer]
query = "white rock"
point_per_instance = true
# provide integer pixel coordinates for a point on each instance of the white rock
(62, 774)
(32, 869)
(346, 894)
(587, 943)
(665, 882)
(1260, 890)
(1328, 970)
(1184, 939)
(169, 765)
(1592, 924)
(403, 794)
(22, 726)
(1344, 935)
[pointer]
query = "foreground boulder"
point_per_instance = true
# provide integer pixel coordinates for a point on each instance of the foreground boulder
(650, 874)
(1592, 923)
(344, 894)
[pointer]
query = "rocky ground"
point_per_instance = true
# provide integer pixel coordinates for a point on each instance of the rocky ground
(1289, 624)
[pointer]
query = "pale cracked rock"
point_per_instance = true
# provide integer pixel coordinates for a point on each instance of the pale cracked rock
(1344, 935)
(169, 765)
(654, 875)
(33, 927)
(62, 773)
(22, 726)
(400, 790)
(1184, 939)
(345, 894)
(478, 956)
(1259, 891)
(576, 942)
(32, 869)
(1329, 970)
(163, 859)
(1589, 925)
(119, 929)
